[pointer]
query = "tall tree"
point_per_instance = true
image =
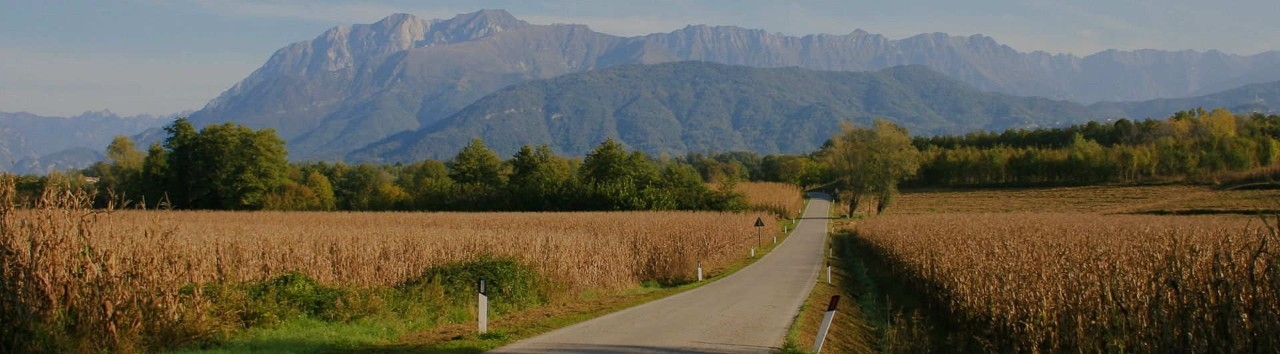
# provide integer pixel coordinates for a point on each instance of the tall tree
(872, 161)
(239, 165)
(537, 177)
(476, 164)
(226, 166)
(155, 177)
(183, 185)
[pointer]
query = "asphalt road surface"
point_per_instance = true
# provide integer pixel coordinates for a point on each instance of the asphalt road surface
(746, 312)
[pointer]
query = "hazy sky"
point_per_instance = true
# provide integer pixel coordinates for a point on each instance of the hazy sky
(152, 56)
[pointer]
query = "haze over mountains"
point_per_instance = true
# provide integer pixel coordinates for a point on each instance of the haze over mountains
(386, 91)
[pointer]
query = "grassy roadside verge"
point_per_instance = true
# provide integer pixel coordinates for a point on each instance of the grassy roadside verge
(435, 326)
(850, 330)
(462, 338)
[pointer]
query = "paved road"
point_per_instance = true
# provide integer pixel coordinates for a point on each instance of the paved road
(746, 312)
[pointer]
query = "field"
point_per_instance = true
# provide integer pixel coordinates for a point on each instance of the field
(1170, 199)
(1088, 269)
(93, 280)
(784, 200)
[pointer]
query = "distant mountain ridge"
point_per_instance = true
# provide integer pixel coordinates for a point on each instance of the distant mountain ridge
(356, 85)
(31, 143)
(1253, 98)
(676, 108)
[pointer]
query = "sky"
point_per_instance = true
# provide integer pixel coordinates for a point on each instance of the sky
(65, 57)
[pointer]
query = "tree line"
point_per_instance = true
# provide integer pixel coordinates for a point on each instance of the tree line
(235, 168)
(231, 167)
(1190, 146)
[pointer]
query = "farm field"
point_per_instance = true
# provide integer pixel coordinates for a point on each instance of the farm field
(150, 280)
(1167, 199)
(1086, 269)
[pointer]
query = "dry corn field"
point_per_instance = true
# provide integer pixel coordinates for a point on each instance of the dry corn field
(1075, 282)
(123, 273)
(784, 199)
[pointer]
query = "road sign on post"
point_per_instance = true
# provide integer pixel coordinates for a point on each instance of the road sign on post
(759, 227)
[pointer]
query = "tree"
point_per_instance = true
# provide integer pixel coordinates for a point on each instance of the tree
(319, 184)
(182, 184)
(239, 165)
(226, 166)
(477, 165)
(608, 162)
(155, 176)
(537, 177)
(123, 153)
(428, 184)
(872, 161)
(614, 179)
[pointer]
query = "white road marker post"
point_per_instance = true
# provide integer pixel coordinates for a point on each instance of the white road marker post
(699, 271)
(828, 272)
(759, 239)
(826, 324)
(484, 308)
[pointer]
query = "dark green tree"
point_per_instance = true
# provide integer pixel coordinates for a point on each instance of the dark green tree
(155, 177)
(538, 179)
(478, 165)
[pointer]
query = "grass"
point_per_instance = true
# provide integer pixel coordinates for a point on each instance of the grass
(849, 331)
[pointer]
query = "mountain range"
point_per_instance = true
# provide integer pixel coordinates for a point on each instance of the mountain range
(406, 88)
(674, 108)
(356, 85)
(37, 144)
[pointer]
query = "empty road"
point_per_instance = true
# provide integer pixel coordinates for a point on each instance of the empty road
(746, 312)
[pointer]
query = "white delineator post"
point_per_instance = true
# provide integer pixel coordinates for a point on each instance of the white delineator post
(484, 308)
(826, 324)
(699, 271)
(828, 272)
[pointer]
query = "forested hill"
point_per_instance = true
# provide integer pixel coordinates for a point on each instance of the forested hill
(682, 107)
(1255, 98)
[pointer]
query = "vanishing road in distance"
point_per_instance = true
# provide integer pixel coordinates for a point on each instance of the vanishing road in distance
(746, 312)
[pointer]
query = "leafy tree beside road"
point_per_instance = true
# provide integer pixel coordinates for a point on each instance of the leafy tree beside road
(872, 161)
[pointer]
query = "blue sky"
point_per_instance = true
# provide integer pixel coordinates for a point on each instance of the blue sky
(152, 56)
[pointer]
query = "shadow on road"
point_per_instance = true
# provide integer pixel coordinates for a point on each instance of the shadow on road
(635, 349)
